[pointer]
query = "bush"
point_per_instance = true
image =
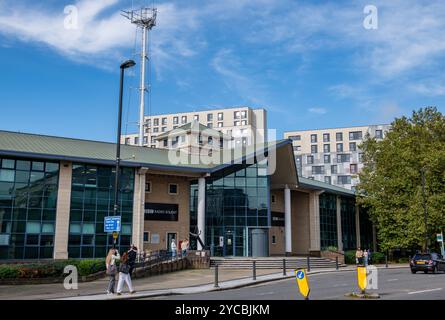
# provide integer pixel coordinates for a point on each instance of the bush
(350, 257)
(403, 260)
(52, 269)
(377, 257)
(332, 248)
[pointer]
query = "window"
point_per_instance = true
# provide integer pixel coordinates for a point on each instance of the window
(326, 137)
(352, 146)
(326, 148)
(136, 140)
(236, 123)
(360, 157)
(334, 169)
(148, 122)
(220, 116)
(344, 180)
(165, 142)
(210, 141)
(244, 140)
(236, 115)
(353, 168)
(155, 130)
(182, 138)
(220, 125)
(156, 122)
(127, 140)
(298, 160)
(343, 158)
(355, 135)
(327, 179)
(210, 117)
(175, 141)
(274, 239)
(153, 139)
(164, 129)
(184, 119)
(175, 120)
(210, 125)
(244, 122)
(327, 158)
(148, 130)
(273, 198)
(379, 134)
(196, 117)
(172, 188)
(145, 139)
(339, 136)
(148, 186)
(317, 169)
(297, 148)
(153, 146)
(221, 143)
(243, 114)
(339, 147)
(146, 236)
(295, 138)
(174, 127)
(313, 138)
(314, 148)
(164, 121)
(310, 159)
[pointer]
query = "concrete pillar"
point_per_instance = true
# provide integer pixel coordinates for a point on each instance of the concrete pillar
(201, 210)
(357, 226)
(314, 220)
(63, 211)
(287, 221)
(339, 231)
(139, 208)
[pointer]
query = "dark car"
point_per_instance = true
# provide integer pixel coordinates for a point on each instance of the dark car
(425, 262)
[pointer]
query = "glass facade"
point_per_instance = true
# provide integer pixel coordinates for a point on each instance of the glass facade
(28, 200)
(237, 202)
(348, 223)
(92, 198)
(328, 220)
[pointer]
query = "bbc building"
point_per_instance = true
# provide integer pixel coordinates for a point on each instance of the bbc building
(56, 192)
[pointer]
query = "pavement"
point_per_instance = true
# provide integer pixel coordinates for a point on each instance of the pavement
(185, 282)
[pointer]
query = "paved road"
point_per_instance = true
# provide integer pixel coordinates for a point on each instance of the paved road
(397, 284)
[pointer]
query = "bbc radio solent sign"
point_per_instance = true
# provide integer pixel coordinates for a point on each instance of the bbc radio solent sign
(161, 211)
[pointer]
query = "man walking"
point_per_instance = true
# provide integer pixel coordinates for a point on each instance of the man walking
(132, 254)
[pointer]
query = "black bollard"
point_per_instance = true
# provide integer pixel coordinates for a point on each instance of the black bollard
(336, 263)
(284, 267)
(386, 260)
(216, 276)
(308, 263)
(254, 270)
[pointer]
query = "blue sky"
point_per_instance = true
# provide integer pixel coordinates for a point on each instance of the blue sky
(311, 64)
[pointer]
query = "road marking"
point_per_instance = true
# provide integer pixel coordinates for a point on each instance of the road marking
(389, 280)
(423, 291)
(265, 293)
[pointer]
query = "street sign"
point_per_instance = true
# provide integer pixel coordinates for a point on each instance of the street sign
(439, 237)
(303, 284)
(115, 235)
(361, 278)
(112, 223)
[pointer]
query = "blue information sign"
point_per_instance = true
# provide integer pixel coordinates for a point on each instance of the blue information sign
(112, 223)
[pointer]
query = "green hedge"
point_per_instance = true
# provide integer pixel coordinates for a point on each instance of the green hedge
(50, 269)
(376, 257)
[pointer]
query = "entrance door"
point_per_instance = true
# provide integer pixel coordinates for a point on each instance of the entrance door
(259, 243)
(228, 244)
(170, 236)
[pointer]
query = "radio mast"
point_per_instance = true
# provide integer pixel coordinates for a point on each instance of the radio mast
(144, 18)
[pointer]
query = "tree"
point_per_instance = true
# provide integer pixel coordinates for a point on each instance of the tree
(391, 180)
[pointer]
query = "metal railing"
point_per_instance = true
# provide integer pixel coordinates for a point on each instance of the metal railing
(150, 259)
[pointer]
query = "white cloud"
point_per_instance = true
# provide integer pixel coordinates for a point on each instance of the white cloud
(429, 89)
(318, 110)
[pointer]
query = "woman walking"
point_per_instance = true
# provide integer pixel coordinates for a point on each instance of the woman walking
(110, 262)
(124, 275)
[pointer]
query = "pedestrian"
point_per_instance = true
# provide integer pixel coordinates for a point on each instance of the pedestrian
(124, 275)
(132, 254)
(183, 247)
(365, 257)
(110, 262)
(359, 256)
(369, 256)
(173, 248)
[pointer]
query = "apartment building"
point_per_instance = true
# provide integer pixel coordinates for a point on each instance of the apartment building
(332, 155)
(246, 125)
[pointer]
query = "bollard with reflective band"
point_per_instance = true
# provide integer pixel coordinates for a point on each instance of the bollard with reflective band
(303, 283)
(361, 278)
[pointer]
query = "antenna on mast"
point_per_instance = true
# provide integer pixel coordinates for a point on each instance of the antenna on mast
(145, 18)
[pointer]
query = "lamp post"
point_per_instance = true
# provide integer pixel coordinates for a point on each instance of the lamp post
(425, 212)
(125, 65)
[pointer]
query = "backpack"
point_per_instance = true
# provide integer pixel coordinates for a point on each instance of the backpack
(124, 268)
